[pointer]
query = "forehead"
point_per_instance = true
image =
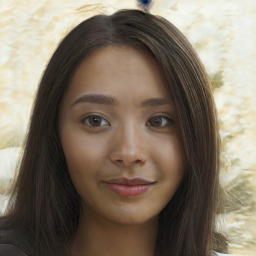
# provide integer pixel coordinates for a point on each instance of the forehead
(119, 70)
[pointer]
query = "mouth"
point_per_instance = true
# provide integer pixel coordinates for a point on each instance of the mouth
(129, 187)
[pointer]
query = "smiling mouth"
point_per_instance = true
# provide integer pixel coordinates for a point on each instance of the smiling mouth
(129, 187)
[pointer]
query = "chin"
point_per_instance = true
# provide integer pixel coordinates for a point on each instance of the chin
(133, 220)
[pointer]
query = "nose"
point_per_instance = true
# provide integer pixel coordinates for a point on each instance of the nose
(128, 148)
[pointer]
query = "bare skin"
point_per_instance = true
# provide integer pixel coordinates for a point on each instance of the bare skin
(97, 237)
(117, 124)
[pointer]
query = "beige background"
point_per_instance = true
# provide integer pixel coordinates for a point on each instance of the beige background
(224, 34)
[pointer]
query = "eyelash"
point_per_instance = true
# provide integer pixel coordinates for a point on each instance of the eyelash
(168, 121)
(86, 120)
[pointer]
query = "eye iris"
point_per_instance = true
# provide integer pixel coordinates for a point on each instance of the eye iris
(156, 121)
(95, 120)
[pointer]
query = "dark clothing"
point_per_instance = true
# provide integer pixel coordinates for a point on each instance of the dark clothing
(11, 250)
(13, 241)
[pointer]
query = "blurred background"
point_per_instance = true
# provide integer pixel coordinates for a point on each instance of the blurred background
(222, 32)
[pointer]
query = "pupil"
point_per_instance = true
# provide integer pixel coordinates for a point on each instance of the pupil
(156, 121)
(95, 120)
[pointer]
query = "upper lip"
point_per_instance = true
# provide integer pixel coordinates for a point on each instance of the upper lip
(130, 181)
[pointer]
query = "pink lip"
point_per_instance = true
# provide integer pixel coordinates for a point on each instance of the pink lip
(129, 187)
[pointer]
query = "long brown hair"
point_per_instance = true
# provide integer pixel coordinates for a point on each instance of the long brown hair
(45, 205)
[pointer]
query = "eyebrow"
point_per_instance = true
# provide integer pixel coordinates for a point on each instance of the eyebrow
(155, 102)
(95, 98)
(108, 100)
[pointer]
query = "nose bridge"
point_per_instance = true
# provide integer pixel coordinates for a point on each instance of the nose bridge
(128, 146)
(129, 138)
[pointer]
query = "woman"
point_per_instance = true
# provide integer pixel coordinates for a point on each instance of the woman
(122, 154)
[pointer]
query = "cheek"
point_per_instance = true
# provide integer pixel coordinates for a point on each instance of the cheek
(171, 162)
(84, 155)
(83, 166)
(170, 155)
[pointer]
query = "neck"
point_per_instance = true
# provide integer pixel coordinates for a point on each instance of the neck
(97, 237)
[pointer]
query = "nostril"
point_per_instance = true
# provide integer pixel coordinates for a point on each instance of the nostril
(120, 161)
(128, 159)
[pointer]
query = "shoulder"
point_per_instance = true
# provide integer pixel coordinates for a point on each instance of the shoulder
(14, 241)
(11, 250)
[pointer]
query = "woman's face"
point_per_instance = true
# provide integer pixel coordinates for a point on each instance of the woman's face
(118, 130)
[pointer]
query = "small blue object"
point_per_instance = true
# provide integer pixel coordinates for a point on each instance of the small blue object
(145, 4)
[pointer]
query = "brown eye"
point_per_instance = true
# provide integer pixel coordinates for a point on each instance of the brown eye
(159, 121)
(95, 121)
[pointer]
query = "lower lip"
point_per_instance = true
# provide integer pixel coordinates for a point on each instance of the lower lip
(124, 190)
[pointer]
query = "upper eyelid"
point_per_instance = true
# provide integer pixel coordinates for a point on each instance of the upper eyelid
(94, 114)
(102, 116)
(164, 115)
